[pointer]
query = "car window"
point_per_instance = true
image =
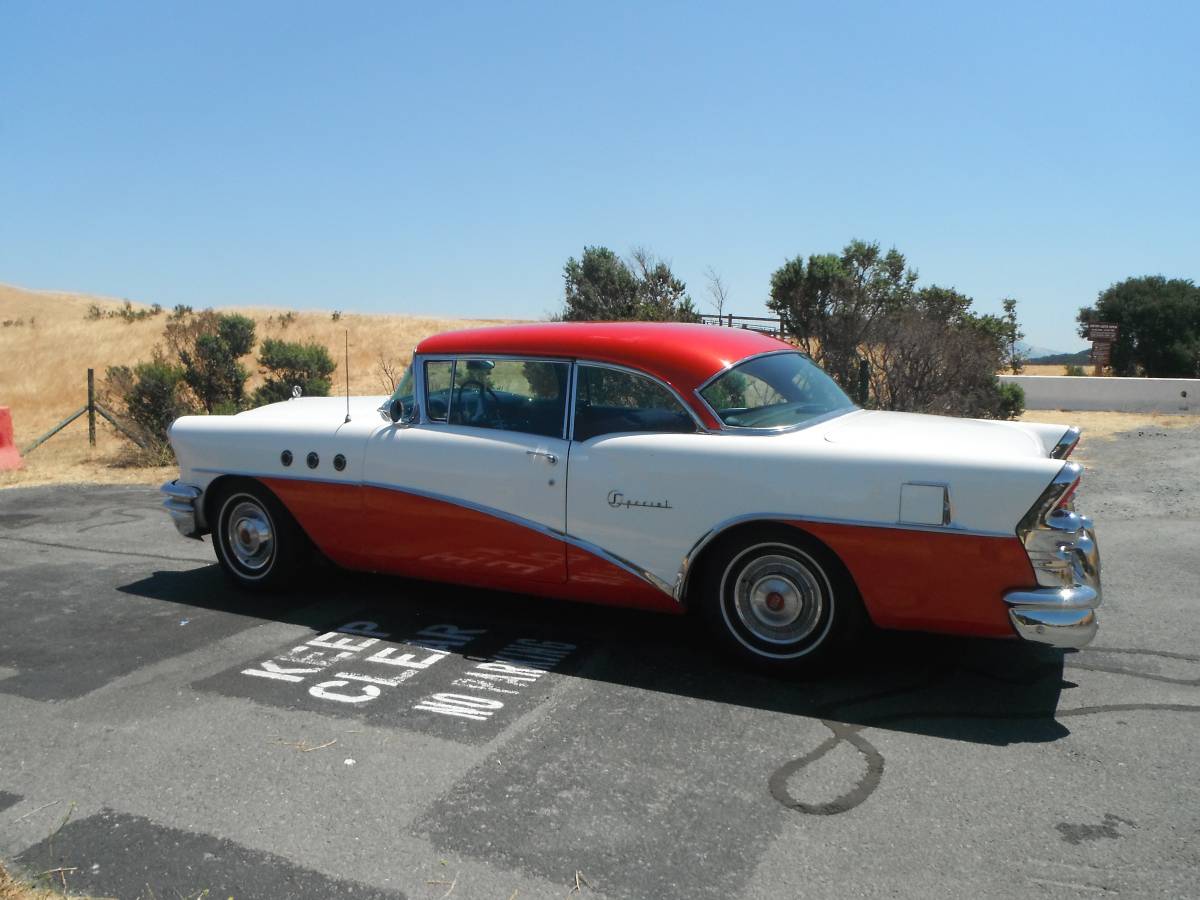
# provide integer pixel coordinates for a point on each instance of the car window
(439, 377)
(778, 390)
(510, 395)
(611, 401)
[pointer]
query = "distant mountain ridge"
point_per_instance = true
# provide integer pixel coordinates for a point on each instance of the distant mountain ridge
(1083, 357)
(1030, 351)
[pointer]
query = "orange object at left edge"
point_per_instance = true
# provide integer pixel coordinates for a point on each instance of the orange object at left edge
(10, 458)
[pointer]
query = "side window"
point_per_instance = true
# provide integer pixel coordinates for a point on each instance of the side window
(609, 401)
(510, 395)
(438, 378)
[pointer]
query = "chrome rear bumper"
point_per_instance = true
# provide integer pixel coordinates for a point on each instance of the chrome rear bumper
(1061, 614)
(1061, 618)
(180, 503)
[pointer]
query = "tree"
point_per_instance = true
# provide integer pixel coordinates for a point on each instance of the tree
(1014, 359)
(661, 297)
(832, 304)
(602, 287)
(934, 355)
(599, 287)
(1159, 326)
(718, 293)
(287, 363)
(926, 350)
(208, 346)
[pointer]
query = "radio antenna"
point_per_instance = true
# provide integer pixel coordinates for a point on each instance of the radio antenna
(347, 375)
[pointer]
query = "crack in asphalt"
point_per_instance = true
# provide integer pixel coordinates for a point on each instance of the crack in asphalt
(1134, 673)
(851, 734)
(106, 552)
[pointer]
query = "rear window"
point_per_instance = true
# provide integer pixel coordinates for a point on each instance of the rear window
(774, 391)
(613, 401)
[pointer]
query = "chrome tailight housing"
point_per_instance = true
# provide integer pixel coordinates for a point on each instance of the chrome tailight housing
(1061, 545)
(1066, 443)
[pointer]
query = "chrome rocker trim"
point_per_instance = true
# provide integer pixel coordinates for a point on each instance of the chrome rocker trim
(182, 506)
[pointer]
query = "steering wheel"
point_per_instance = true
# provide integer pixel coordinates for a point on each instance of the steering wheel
(486, 400)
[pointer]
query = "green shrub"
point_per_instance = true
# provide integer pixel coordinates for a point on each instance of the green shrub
(149, 397)
(287, 363)
(208, 347)
(1076, 371)
(1012, 401)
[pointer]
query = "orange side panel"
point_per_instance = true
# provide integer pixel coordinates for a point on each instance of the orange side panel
(596, 580)
(382, 530)
(330, 514)
(930, 581)
(427, 538)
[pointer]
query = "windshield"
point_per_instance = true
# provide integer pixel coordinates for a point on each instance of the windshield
(774, 391)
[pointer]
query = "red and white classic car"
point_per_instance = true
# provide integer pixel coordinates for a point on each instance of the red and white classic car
(663, 466)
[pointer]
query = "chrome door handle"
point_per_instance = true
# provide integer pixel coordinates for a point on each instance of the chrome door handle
(550, 457)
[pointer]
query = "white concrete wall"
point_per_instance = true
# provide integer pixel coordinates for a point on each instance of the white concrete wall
(1162, 395)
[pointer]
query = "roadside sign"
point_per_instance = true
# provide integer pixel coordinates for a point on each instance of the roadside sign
(1102, 331)
(1101, 353)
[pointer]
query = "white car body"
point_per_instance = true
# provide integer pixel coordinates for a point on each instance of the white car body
(632, 512)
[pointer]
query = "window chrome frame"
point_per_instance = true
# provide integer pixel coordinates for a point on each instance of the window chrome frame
(414, 415)
(774, 429)
(513, 357)
(701, 428)
(426, 419)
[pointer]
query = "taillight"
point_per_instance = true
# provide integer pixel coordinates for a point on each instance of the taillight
(1065, 499)
(1056, 496)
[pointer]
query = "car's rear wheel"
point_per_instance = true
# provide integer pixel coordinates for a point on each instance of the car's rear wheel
(776, 598)
(257, 542)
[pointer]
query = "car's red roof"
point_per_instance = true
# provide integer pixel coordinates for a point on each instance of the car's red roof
(683, 355)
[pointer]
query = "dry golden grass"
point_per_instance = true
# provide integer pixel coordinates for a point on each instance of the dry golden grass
(1105, 425)
(44, 363)
(12, 889)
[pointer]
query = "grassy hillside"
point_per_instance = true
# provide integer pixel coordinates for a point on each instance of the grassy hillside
(47, 344)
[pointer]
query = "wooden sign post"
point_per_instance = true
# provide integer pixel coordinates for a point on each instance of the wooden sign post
(1102, 335)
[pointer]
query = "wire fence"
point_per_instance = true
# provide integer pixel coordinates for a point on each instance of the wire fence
(91, 409)
(765, 324)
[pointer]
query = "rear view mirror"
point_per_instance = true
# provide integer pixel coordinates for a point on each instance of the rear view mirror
(396, 410)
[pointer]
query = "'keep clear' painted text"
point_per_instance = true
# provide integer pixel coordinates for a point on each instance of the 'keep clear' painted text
(353, 666)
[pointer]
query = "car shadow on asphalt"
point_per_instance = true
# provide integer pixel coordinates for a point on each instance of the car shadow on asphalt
(983, 691)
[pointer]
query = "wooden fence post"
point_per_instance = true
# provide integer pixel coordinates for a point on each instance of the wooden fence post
(92, 407)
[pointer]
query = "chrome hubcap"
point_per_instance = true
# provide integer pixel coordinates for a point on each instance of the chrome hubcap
(249, 533)
(778, 599)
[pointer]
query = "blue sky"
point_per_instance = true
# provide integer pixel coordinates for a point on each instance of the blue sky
(448, 158)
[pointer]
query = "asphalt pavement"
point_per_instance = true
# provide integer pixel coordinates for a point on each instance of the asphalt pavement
(163, 735)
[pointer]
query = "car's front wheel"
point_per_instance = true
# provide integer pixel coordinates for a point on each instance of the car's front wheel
(257, 542)
(779, 599)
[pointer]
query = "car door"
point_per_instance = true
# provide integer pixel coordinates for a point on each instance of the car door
(474, 489)
(631, 493)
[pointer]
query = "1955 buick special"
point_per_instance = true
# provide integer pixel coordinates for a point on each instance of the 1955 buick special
(663, 466)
